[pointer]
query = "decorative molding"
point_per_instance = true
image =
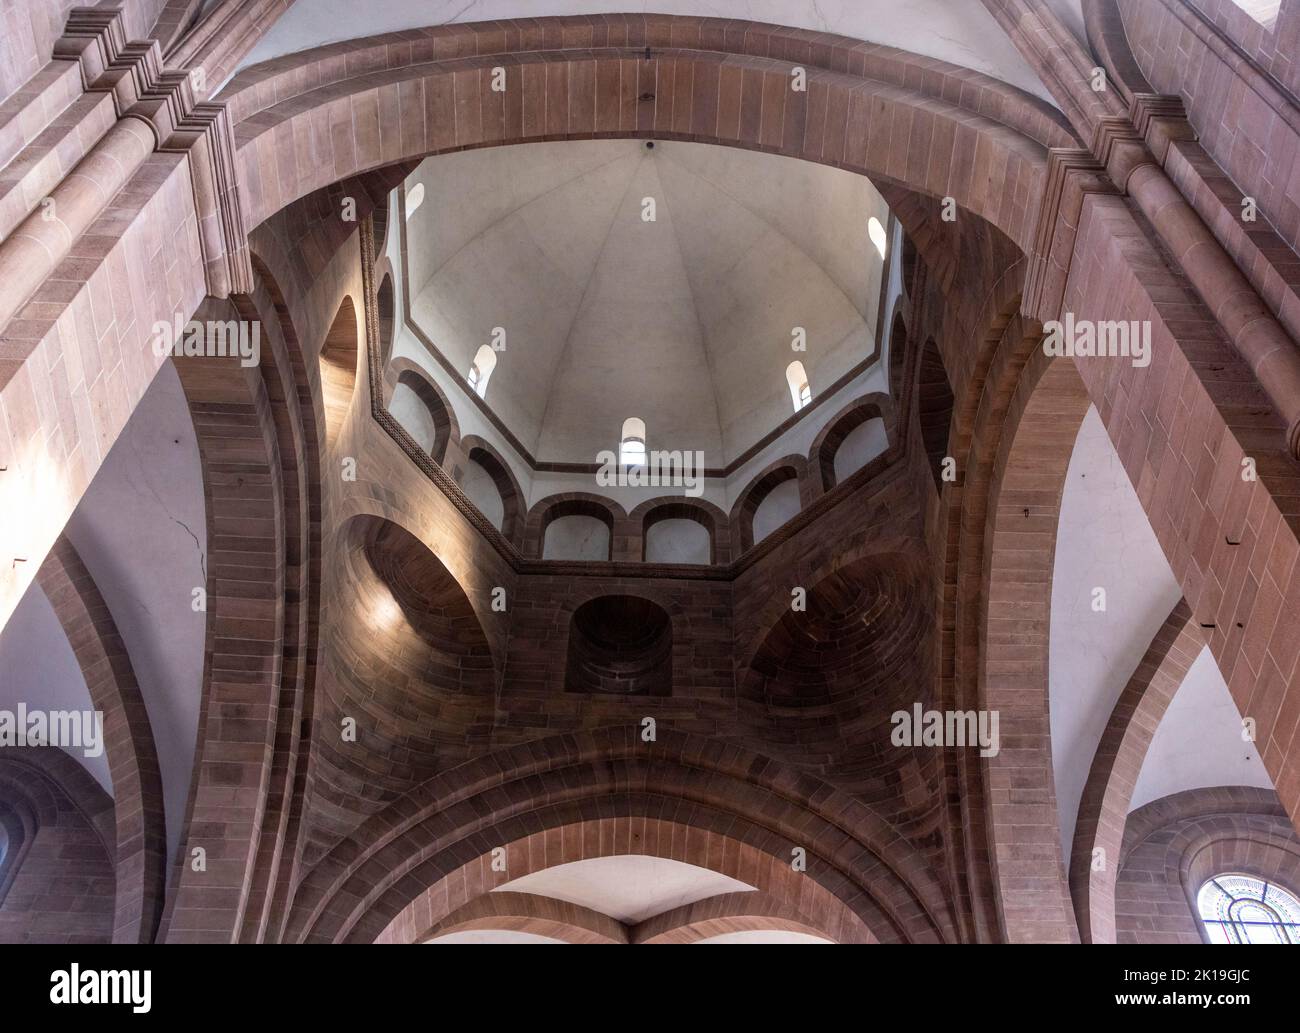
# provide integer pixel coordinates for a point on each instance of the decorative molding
(1072, 173)
(164, 100)
(1160, 119)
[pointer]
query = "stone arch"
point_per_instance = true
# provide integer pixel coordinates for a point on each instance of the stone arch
(825, 653)
(444, 427)
(358, 890)
(728, 913)
(255, 426)
(1024, 499)
(783, 903)
(140, 824)
(479, 450)
(339, 357)
(898, 346)
(384, 296)
(574, 503)
(237, 436)
(752, 496)
(407, 661)
(298, 416)
(821, 456)
(60, 882)
(381, 214)
(520, 912)
(934, 403)
(615, 89)
(699, 511)
(1104, 806)
(1174, 844)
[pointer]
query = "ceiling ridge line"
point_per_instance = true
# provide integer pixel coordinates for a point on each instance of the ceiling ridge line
(515, 211)
(695, 308)
(785, 236)
(582, 300)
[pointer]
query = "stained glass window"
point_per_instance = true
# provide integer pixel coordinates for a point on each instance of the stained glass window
(1244, 909)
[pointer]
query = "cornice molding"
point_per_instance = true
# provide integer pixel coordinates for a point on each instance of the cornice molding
(1072, 174)
(133, 73)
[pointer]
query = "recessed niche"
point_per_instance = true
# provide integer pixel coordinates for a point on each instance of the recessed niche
(620, 644)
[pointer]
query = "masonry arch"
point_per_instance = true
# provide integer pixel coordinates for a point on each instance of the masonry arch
(850, 423)
(674, 546)
(423, 410)
(610, 60)
(532, 788)
(747, 526)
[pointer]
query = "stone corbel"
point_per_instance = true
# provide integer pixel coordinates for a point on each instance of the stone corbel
(1072, 173)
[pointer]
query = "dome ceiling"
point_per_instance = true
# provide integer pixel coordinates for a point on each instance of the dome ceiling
(660, 282)
(960, 31)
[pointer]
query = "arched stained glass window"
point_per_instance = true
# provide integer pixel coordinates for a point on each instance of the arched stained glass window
(1244, 909)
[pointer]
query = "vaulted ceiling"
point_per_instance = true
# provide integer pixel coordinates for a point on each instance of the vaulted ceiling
(661, 281)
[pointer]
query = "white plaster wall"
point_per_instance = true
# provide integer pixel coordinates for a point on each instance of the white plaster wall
(576, 537)
(478, 484)
(778, 506)
(863, 444)
(677, 541)
(764, 936)
(409, 410)
(629, 888)
(1199, 743)
(501, 936)
(39, 669)
(141, 530)
(1104, 541)
(959, 31)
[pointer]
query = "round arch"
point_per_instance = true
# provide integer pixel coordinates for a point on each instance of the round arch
(357, 890)
(700, 79)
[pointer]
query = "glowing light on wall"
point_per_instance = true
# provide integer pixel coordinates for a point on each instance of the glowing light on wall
(800, 392)
(877, 234)
(414, 198)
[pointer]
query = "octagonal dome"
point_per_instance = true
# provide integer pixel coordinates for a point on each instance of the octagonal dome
(664, 280)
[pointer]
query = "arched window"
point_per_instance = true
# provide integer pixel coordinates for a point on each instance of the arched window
(484, 363)
(877, 234)
(631, 447)
(800, 392)
(414, 198)
(1244, 909)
